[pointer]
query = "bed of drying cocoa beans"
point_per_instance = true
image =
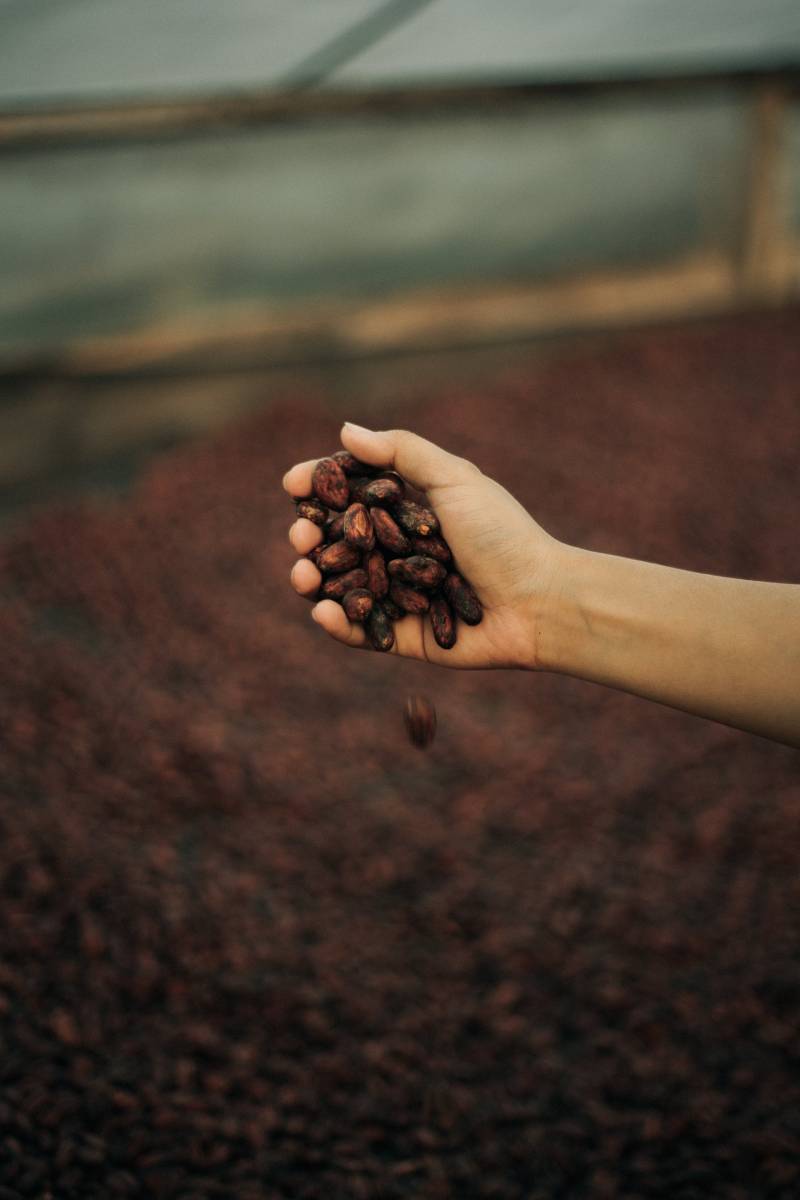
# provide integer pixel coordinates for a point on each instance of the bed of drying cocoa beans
(254, 945)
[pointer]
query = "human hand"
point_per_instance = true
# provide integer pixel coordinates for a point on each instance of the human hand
(508, 558)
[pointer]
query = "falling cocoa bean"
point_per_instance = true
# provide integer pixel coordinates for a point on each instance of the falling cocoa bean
(419, 716)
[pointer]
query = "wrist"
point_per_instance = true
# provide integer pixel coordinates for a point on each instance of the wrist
(553, 609)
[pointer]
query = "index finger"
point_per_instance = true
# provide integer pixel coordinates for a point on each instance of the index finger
(297, 480)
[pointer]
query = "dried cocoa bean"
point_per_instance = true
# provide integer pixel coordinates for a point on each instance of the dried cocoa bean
(313, 555)
(329, 484)
(408, 598)
(463, 599)
(443, 622)
(415, 518)
(419, 571)
(358, 528)
(383, 490)
(336, 587)
(391, 609)
(419, 716)
(432, 547)
(312, 510)
(349, 464)
(376, 573)
(388, 532)
(358, 604)
(334, 530)
(379, 629)
(358, 488)
(339, 557)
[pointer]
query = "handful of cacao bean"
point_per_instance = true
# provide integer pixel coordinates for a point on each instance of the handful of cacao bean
(382, 554)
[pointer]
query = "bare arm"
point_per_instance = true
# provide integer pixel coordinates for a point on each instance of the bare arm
(726, 649)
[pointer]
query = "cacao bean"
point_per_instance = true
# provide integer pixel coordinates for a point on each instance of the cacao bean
(358, 488)
(312, 510)
(383, 491)
(329, 484)
(391, 609)
(408, 598)
(432, 547)
(339, 557)
(334, 530)
(313, 555)
(442, 622)
(336, 587)
(379, 629)
(388, 533)
(358, 604)
(349, 464)
(376, 573)
(358, 528)
(419, 571)
(463, 599)
(415, 518)
(419, 716)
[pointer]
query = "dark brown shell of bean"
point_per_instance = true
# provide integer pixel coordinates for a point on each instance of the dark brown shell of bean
(463, 599)
(338, 558)
(312, 510)
(376, 573)
(334, 530)
(443, 622)
(415, 518)
(337, 586)
(358, 528)
(432, 546)
(391, 609)
(383, 490)
(408, 598)
(388, 532)
(329, 484)
(358, 604)
(419, 571)
(349, 464)
(379, 629)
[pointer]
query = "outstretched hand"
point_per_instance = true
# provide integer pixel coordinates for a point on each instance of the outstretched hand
(507, 557)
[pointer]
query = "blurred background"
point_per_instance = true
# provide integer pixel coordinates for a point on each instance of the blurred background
(254, 944)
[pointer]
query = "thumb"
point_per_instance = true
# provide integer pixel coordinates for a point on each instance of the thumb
(425, 465)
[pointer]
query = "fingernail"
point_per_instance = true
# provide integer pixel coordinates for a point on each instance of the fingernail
(357, 428)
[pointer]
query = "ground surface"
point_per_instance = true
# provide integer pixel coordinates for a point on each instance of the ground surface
(254, 945)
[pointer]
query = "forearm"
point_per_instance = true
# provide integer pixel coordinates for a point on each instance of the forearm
(727, 649)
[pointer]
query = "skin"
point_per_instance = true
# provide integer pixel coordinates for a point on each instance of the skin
(724, 649)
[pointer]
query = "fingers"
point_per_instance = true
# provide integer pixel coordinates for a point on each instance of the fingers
(304, 535)
(297, 480)
(422, 463)
(305, 578)
(333, 619)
